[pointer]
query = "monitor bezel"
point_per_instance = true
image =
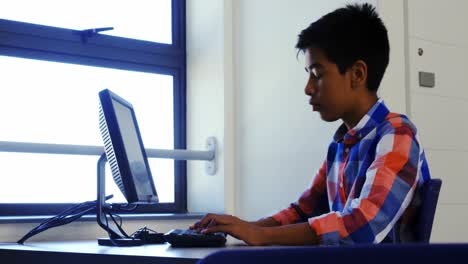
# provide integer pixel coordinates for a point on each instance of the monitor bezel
(106, 97)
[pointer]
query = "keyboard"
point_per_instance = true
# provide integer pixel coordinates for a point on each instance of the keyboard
(192, 238)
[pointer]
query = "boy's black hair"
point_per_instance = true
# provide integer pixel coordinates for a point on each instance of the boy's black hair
(348, 34)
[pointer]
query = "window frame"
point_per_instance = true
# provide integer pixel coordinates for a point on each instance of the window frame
(32, 41)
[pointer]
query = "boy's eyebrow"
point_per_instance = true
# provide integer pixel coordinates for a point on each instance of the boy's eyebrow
(313, 65)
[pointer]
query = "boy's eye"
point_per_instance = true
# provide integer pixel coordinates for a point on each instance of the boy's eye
(315, 73)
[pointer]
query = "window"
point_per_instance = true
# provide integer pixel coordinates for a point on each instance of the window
(53, 65)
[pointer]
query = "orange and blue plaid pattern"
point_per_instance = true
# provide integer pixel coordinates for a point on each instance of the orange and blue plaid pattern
(368, 183)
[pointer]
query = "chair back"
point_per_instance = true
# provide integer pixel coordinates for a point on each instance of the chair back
(429, 196)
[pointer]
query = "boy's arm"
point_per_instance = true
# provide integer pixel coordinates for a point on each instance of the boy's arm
(294, 234)
(266, 222)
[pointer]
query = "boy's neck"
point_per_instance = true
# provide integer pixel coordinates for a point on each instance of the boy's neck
(361, 108)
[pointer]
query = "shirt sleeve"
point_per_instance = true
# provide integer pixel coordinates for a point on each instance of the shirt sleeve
(308, 203)
(387, 191)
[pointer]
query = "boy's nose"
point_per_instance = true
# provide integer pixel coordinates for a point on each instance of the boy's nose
(309, 88)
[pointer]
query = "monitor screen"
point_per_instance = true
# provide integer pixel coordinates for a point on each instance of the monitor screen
(124, 149)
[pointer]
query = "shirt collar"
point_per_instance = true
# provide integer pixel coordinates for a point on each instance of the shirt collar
(368, 122)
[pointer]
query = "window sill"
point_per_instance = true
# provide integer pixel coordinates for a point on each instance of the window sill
(89, 218)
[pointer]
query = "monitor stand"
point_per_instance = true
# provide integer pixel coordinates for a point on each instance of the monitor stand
(117, 237)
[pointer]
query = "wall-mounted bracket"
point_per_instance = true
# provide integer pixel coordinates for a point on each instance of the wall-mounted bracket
(211, 165)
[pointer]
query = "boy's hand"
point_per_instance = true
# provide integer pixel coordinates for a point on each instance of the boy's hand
(238, 228)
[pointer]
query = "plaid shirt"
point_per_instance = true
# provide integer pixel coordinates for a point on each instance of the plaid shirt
(368, 185)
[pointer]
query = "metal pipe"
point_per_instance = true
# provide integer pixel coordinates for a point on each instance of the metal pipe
(27, 147)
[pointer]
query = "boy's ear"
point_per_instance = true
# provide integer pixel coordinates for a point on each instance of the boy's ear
(359, 74)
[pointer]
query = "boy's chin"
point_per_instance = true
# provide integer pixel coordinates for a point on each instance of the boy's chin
(328, 118)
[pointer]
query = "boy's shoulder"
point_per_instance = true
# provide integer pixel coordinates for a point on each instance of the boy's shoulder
(397, 122)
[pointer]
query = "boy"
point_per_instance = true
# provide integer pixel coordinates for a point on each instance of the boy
(368, 184)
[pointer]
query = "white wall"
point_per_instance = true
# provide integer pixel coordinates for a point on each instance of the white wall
(207, 87)
(280, 142)
(439, 28)
(393, 86)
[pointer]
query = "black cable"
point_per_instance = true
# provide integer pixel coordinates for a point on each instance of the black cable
(111, 238)
(65, 217)
(118, 225)
(142, 230)
(116, 216)
(57, 221)
(76, 212)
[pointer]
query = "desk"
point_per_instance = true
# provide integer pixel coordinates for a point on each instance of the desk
(89, 252)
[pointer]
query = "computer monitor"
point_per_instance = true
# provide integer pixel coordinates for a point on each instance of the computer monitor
(125, 152)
